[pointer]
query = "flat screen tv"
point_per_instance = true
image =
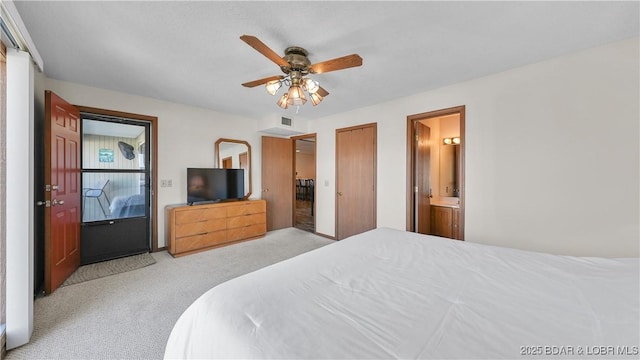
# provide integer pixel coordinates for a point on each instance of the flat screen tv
(213, 185)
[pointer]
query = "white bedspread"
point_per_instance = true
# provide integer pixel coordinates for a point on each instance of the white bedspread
(393, 294)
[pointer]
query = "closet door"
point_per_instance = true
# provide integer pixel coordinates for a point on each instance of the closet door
(355, 180)
(277, 181)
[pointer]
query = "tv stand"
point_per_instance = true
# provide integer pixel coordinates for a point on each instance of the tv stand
(195, 228)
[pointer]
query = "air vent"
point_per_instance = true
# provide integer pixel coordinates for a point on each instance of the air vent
(285, 121)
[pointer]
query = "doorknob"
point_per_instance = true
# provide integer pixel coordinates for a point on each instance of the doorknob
(57, 202)
(45, 203)
(339, 193)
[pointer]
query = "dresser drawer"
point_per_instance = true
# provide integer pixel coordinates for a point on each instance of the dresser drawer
(198, 215)
(246, 232)
(240, 221)
(201, 227)
(197, 242)
(247, 208)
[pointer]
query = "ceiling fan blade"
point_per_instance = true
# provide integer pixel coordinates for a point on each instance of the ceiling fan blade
(263, 49)
(255, 83)
(322, 92)
(340, 63)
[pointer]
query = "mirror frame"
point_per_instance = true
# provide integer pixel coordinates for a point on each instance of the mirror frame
(219, 165)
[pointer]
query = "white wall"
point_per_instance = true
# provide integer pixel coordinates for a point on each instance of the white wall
(552, 154)
(551, 151)
(20, 198)
(186, 136)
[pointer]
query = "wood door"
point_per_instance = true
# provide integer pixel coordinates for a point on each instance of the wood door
(422, 184)
(62, 177)
(243, 160)
(277, 181)
(455, 224)
(355, 180)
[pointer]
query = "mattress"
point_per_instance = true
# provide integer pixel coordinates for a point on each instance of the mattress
(393, 294)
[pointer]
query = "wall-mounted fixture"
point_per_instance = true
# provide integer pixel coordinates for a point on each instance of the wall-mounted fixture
(451, 141)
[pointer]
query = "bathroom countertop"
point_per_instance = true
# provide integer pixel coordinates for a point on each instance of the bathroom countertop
(445, 204)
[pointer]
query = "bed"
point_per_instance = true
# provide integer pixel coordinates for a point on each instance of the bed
(392, 294)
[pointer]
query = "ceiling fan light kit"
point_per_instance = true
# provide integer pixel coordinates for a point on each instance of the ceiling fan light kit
(296, 96)
(273, 86)
(297, 86)
(283, 101)
(297, 66)
(311, 85)
(315, 98)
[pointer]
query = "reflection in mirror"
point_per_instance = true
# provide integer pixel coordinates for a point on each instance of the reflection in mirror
(449, 167)
(235, 154)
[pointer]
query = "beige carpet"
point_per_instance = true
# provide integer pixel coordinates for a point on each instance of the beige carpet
(130, 315)
(111, 267)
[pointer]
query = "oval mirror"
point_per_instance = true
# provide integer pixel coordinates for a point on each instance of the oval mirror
(235, 154)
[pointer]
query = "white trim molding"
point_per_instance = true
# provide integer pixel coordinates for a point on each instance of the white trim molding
(18, 31)
(20, 197)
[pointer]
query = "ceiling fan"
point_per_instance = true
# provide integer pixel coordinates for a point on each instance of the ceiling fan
(296, 66)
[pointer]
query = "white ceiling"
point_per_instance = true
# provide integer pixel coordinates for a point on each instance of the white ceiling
(190, 52)
(105, 128)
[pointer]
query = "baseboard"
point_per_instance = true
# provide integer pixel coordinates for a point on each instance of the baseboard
(325, 236)
(3, 343)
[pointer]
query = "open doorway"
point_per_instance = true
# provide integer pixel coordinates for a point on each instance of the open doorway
(435, 179)
(116, 168)
(305, 173)
(102, 202)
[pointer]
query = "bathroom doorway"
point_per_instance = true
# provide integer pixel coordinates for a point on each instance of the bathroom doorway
(435, 173)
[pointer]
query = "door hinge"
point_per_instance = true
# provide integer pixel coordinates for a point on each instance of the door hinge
(47, 187)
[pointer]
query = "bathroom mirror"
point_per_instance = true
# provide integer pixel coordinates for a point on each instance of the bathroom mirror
(449, 170)
(235, 154)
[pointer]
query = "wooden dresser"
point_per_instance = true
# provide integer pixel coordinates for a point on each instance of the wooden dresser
(196, 228)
